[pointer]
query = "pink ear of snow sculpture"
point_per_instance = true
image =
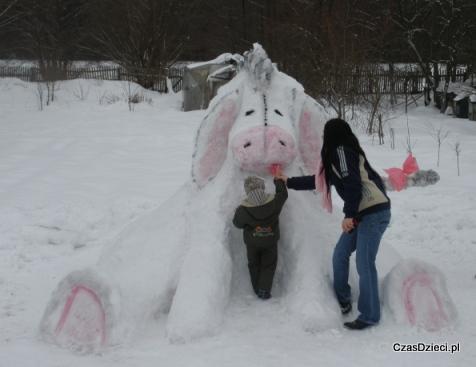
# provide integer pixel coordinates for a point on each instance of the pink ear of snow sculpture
(416, 294)
(310, 137)
(216, 139)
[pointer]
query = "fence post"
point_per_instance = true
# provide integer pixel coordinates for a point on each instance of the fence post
(33, 75)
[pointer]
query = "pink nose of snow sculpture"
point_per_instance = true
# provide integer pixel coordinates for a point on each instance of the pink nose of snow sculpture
(257, 148)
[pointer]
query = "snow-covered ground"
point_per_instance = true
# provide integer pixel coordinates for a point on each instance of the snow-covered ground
(75, 174)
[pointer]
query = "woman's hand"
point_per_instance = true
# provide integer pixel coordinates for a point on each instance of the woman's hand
(348, 225)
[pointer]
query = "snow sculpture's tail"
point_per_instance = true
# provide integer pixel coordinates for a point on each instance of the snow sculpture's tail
(410, 175)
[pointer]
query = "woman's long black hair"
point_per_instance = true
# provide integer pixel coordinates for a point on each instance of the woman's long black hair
(337, 132)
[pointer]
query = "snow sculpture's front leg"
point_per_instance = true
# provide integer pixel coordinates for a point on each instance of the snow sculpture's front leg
(306, 255)
(205, 279)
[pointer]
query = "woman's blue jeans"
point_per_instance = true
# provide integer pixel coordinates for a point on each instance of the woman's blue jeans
(365, 240)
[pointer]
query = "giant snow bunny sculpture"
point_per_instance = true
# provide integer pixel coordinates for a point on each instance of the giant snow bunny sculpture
(183, 261)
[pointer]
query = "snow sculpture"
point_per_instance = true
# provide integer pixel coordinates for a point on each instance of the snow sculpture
(184, 261)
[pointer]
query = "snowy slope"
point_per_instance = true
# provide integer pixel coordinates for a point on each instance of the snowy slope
(74, 175)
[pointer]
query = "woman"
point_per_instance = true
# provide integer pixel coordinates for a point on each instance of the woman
(367, 214)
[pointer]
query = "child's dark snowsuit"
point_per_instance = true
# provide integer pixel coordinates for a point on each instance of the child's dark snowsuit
(260, 226)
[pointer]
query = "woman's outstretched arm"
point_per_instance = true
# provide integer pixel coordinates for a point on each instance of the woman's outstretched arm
(302, 183)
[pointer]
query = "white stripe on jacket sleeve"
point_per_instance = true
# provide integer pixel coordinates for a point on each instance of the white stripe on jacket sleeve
(342, 161)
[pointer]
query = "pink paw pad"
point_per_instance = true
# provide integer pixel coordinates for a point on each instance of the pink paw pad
(423, 305)
(83, 320)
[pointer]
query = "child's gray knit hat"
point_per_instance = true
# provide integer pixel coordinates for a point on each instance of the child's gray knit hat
(253, 183)
(254, 188)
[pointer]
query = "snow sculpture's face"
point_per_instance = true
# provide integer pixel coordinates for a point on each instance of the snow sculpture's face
(258, 124)
(258, 148)
(263, 133)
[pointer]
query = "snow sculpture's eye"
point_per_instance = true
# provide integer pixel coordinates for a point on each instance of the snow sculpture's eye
(279, 113)
(282, 143)
(247, 144)
(247, 113)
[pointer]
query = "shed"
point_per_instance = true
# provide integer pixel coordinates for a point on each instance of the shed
(202, 80)
(460, 105)
(472, 107)
(455, 99)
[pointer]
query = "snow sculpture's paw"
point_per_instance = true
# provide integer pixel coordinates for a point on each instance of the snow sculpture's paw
(416, 294)
(79, 315)
(318, 318)
(315, 313)
(82, 320)
(183, 332)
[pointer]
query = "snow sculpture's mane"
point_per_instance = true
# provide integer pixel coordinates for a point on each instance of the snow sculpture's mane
(259, 67)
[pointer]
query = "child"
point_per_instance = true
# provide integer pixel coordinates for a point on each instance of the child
(258, 216)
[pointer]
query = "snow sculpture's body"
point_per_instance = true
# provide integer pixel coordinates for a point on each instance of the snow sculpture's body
(185, 260)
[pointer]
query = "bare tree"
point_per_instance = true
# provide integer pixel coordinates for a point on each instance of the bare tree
(457, 149)
(411, 17)
(7, 16)
(456, 24)
(392, 138)
(374, 99)
(408, 140)
(145, 35)
(333, 51)
(52, 30)
(440, 135)
(437, 31)
(40, 95)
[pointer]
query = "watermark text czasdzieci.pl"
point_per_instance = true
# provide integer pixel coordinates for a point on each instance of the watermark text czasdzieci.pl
(427, 347)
